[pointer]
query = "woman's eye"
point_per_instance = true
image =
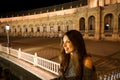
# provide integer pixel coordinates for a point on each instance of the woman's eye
(68, 41)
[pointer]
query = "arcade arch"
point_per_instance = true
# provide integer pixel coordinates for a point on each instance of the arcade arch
(82, 24)
(108, 23)
(91, 23)
(59, 26)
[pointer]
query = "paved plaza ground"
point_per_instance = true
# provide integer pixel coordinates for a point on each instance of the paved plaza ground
(105, 54)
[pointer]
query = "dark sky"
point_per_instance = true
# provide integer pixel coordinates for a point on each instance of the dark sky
(19, 5)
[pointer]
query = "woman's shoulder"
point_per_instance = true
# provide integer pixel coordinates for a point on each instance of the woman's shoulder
(88, 62)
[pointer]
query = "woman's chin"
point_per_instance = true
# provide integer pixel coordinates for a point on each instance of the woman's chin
(67, 52)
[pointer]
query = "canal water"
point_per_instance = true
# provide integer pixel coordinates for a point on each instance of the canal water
(17, 73)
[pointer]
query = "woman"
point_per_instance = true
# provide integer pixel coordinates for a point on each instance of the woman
(76, 64)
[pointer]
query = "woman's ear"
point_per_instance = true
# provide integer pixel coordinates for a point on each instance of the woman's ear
(88, 62)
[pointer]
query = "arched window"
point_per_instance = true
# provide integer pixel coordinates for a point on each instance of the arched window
(66, 28)
(32, 30)
(26, 30)
(51, 29)
(108, 24)
(15, 30)
(20, 30)
(59, 24)
(44, 29)
(38, 29)
(91, 23)
(82, 24)
(59, 29)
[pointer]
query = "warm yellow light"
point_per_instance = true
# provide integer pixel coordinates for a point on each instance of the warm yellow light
(7, 27)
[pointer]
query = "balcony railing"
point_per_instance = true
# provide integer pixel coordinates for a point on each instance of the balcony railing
(33, 59)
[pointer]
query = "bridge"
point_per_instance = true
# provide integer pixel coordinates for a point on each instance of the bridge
(40, 67)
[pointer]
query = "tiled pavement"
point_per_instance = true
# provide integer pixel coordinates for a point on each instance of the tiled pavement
(106, 54)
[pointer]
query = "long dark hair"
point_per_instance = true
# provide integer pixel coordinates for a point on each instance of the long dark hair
(78, 42)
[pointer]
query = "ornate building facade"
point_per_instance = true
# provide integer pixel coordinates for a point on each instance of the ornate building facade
(95, 19)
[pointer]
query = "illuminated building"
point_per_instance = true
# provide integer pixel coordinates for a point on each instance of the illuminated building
(96, 19)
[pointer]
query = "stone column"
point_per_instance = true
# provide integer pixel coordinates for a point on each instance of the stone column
(115, 28)
(98, 24)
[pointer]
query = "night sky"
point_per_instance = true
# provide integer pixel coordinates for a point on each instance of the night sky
(21, 5)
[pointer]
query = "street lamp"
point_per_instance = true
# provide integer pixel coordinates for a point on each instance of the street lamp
(7, 30)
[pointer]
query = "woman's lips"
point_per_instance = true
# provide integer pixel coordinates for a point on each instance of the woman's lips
(66, 48)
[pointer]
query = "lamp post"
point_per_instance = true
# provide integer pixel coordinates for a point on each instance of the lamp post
(7, 30)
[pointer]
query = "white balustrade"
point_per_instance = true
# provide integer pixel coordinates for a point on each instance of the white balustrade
(48, 65)
(35, 59)
(111, 75)
(13, 52)
(8, 50)
(19, 53)
(27, 57)
(4, 49)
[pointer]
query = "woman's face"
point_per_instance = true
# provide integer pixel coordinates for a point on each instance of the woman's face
(67, 45)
